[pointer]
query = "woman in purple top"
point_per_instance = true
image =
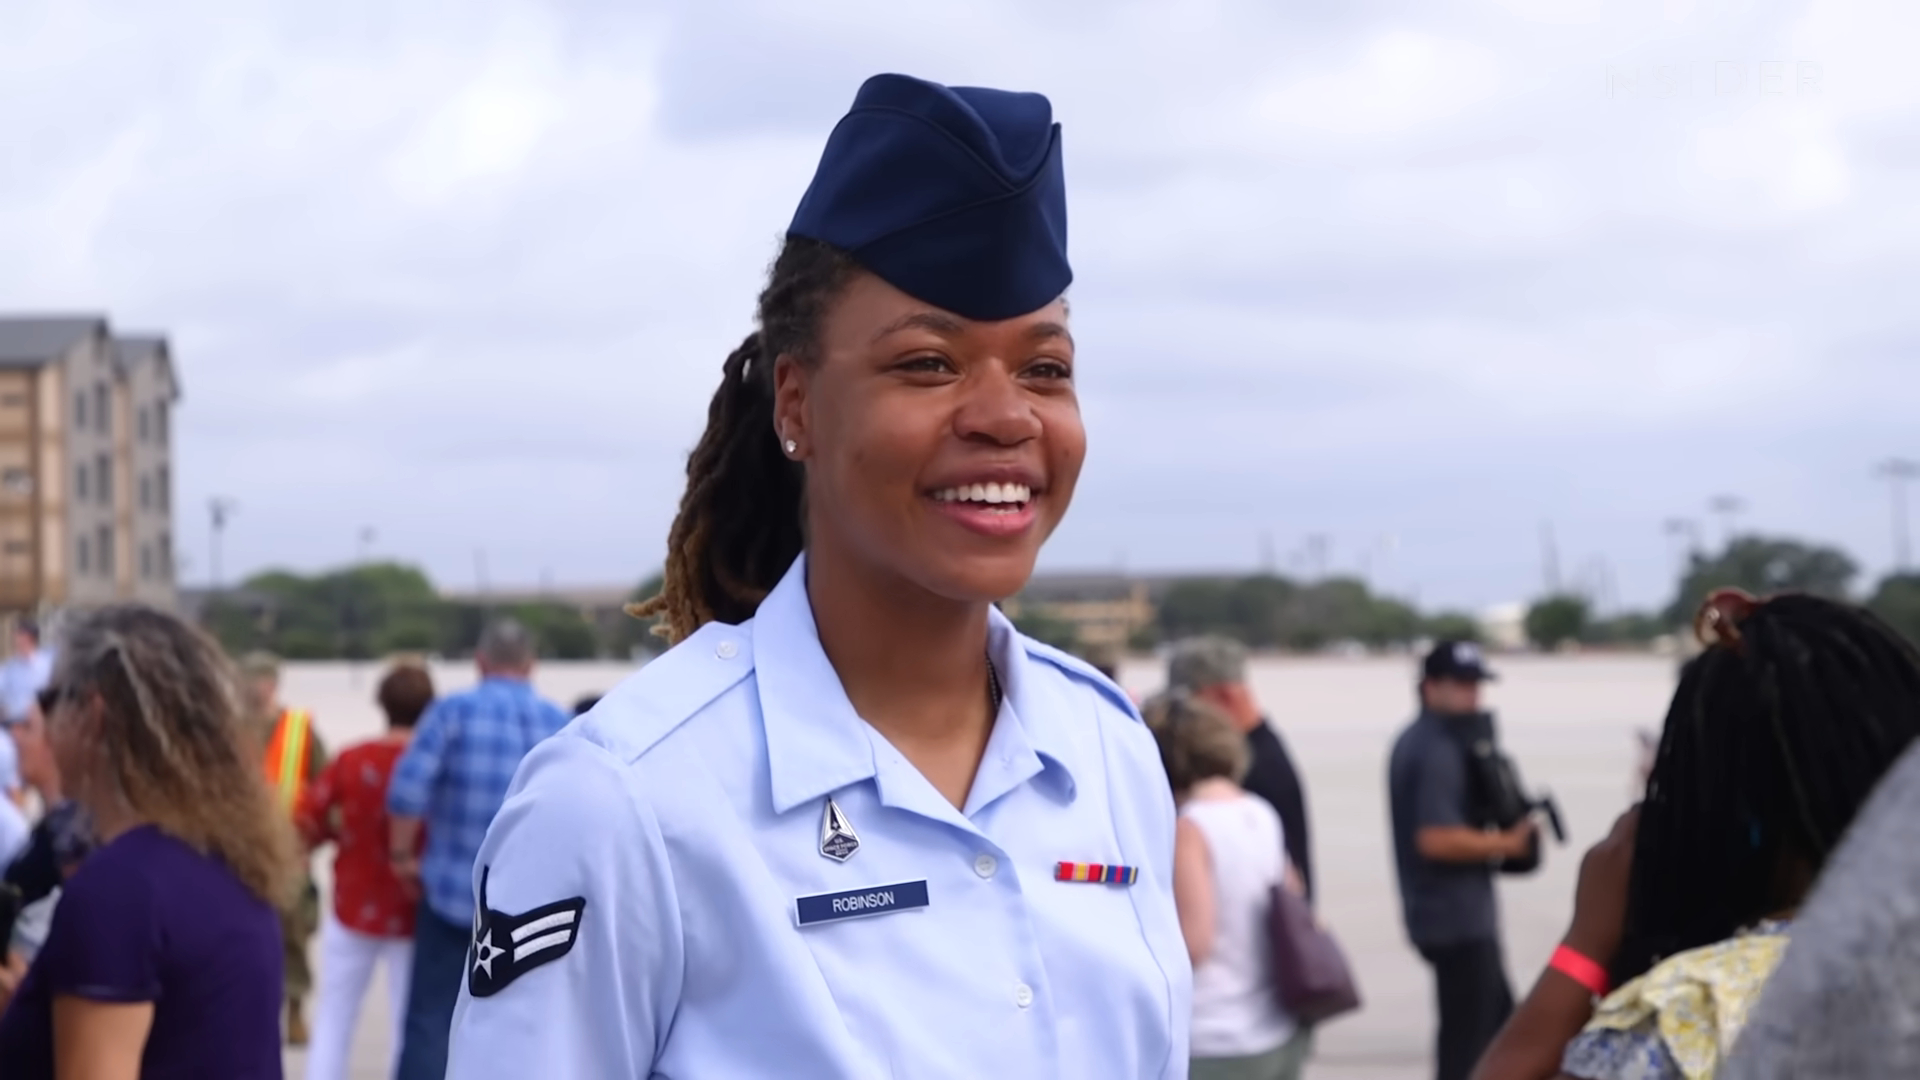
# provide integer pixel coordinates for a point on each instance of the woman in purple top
(164, 955)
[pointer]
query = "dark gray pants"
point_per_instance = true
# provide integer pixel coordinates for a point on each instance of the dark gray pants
(1470, 981)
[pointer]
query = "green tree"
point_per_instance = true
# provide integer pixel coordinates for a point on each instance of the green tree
(1199, 606)
(356, 612)
(1316, 615)
(1452, 626)
(1556, 620)
(1255, 610)
(1628, 628)
(1763, 565)
(1897, 600)
(1389, 622)
(559, 631)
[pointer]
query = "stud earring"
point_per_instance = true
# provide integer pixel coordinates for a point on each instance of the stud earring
(791, 447)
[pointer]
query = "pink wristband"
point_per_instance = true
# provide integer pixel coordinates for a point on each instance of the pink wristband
(1580, 969)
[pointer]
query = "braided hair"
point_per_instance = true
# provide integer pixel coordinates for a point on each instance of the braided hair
(740, 522)
(1775, 738)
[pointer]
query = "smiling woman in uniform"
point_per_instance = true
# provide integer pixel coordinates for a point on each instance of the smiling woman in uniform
(854, 824)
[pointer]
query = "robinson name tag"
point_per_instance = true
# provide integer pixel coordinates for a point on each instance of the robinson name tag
(855, 903)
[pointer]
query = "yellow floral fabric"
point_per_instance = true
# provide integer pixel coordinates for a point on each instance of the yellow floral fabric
(1695, 1002)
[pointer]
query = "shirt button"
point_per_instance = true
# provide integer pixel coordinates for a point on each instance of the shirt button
(985, 865)
(727, 650)
(1022, 995)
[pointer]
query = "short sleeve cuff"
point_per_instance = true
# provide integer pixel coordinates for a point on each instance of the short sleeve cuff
(110, 995)
(1611, 1054)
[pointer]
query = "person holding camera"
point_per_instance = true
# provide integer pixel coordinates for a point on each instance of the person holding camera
(1447, 850)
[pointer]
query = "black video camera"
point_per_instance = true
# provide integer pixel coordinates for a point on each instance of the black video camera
(1500, 799)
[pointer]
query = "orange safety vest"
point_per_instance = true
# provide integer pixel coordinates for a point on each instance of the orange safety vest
(287, 756)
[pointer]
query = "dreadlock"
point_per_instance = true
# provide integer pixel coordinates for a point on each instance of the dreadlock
(740, 527)
(1773, 741)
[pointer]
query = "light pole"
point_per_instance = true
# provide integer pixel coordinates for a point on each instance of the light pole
(1686, 532)
(1729, 507)
(1897, 472)
(220, 508)
(350, 614)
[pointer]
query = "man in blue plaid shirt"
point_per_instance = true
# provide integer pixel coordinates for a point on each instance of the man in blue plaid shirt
(451, 780)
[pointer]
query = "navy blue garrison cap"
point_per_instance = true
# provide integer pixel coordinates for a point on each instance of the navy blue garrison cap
(953, 195)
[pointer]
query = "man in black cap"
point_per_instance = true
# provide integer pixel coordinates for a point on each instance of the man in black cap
(1446, 861)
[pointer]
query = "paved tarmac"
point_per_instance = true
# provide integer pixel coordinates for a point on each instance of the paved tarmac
(1569, 721)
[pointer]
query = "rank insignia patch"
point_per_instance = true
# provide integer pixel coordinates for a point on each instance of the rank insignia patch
(506, 947)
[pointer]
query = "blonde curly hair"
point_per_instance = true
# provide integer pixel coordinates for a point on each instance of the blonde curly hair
(173, 742)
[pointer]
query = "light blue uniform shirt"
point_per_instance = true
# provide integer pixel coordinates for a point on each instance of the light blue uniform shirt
(686, 812)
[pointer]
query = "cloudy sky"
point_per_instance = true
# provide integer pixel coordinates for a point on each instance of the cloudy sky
(1418, 277)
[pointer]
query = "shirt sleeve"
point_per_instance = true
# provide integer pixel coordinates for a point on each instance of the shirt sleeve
(1439, 788)
(573, 827)
(414, 774)
(313, 815)
(1608, 1054)
(105, 943)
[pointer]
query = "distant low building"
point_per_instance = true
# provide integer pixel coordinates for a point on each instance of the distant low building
(1504, 626)
(86, 465)
(1106, 610)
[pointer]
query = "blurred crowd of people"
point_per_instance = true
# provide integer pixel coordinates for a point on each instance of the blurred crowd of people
(1752, 915)
(161, 806)
(162, 801)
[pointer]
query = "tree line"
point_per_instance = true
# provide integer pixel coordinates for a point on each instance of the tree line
(379, 609)
(1270, 611)
(1758, 564)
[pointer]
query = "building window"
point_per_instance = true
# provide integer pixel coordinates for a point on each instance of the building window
(102, 417)
(165, 544)
(80, 480)
(86, 564)
(19, 547)
(146, 492)
(13, 401)
(146, 562)
(105, 543)
(17, 481)
(163, 489)
(103, 478)
(143, 425)
(160, 421)
(80, 408)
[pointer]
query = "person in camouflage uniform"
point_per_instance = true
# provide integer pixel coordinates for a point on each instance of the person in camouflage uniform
(292, 755)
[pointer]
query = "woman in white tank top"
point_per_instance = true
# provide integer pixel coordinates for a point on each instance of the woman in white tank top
(1229, 853)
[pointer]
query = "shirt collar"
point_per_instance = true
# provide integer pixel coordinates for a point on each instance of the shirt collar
(818, 744)
(1040, 703)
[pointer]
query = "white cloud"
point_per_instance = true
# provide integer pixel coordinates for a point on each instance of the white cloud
(466, 272)
(1397, 82)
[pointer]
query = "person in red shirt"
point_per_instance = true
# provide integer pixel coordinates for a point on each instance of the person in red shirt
(371, 923)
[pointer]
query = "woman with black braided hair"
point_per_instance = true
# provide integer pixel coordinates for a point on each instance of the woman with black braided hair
(1776, 737)
(854, 824)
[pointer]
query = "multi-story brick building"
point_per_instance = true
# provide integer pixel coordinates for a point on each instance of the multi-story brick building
(86, 465)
